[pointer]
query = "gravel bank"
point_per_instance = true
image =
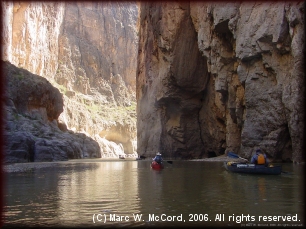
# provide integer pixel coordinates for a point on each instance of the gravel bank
(221, 158)
(26, 167)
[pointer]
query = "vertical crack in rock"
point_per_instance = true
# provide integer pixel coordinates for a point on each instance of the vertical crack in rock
(252, 54)
(176, 73)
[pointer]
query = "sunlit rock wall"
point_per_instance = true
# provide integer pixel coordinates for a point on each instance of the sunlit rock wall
(87, 50)
(31, 35)
(218, 77)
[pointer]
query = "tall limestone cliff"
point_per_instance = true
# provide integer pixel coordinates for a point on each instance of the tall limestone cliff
(88, 51)
(219, 77)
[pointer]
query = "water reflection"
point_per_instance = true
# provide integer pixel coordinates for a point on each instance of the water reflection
(69, 193)
(265, 195)
(29, 193)
(261, 187)
(104, 187)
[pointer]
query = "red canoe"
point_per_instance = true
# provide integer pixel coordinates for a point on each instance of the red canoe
(155, 165)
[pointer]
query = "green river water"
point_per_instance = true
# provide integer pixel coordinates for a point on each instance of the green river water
(127, 193)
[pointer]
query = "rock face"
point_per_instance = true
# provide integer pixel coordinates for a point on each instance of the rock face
(219, 77)
(88, 51)
(31, 133)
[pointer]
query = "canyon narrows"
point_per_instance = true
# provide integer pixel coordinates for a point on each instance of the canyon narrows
(188, 79)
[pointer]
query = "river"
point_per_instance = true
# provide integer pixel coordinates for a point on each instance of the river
(127, 193)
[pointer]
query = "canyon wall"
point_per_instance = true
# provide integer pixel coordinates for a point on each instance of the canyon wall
(219, 77)
(88, 51)
(31, 131)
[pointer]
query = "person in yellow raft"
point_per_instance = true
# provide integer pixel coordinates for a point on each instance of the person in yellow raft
(259, 158)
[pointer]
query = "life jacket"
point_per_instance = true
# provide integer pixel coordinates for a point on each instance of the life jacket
(261, 159)
(158, 159)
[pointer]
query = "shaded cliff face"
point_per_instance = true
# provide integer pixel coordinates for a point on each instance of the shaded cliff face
(221, 77)
(31, 132)
(88, 51)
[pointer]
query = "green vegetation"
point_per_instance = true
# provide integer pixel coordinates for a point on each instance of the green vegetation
(123, 113)
(19, 76)
(16, 116)
(132, 107)
(62, 89)
(109, 113)
(79, 79)
(93, 107)
(99, 111)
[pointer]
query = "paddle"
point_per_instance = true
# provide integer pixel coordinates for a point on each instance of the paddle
(233, 155)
